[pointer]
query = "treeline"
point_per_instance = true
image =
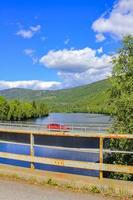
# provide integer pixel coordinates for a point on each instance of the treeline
(79, 108)
(15, 110)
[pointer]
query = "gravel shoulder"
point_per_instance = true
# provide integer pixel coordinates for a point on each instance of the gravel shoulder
(13, 190)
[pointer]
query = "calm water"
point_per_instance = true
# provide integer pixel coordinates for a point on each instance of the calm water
(43, 143)
(75, 118)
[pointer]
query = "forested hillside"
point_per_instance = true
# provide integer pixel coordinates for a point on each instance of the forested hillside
(88, 98)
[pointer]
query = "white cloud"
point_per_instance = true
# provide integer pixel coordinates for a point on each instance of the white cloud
(74, 67)
(28, 33)
(25, 33)
(89, 76)
(30, 53)
(118, 23)
(32, 84)
(35, 28)
(100, 50)
(66, 41)
(100, 37)
(75, 60)
(77, 67)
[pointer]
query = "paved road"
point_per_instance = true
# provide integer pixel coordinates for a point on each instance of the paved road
(20, 191)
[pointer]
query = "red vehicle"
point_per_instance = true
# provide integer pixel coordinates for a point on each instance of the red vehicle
(58, 127)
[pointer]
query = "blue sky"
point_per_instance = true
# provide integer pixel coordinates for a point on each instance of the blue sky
(53, 44)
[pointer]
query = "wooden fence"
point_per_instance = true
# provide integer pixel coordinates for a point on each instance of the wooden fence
(101, 166)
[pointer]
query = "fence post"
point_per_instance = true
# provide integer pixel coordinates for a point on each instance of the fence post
(101, 156)
(32, 149)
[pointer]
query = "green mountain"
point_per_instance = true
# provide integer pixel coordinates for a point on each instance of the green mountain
(87, 98)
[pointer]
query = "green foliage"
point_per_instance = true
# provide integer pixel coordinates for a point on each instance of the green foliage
(4, 107)
(121, 102)
(89, 98)
(15, 110)
(121, 95)
(95, 189)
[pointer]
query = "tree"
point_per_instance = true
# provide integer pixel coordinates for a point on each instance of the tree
(121, 102)
(42, 109)
(121, 97)
(15, 110)
(4, 107)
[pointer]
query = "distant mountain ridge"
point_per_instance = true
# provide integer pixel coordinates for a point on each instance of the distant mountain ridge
(87, 98)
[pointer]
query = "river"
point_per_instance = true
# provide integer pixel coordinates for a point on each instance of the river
(74, 118)
(47, 146)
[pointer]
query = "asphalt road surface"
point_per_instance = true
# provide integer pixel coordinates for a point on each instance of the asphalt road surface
(11, 190)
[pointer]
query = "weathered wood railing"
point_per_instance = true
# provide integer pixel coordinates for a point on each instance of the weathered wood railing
(101, 166)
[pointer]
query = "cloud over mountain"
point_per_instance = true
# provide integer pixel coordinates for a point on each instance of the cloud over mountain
(31, 84)
(78, 66)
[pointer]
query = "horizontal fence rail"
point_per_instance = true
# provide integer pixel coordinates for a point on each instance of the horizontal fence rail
(69, 163)
(74, 132)
(34, 130)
